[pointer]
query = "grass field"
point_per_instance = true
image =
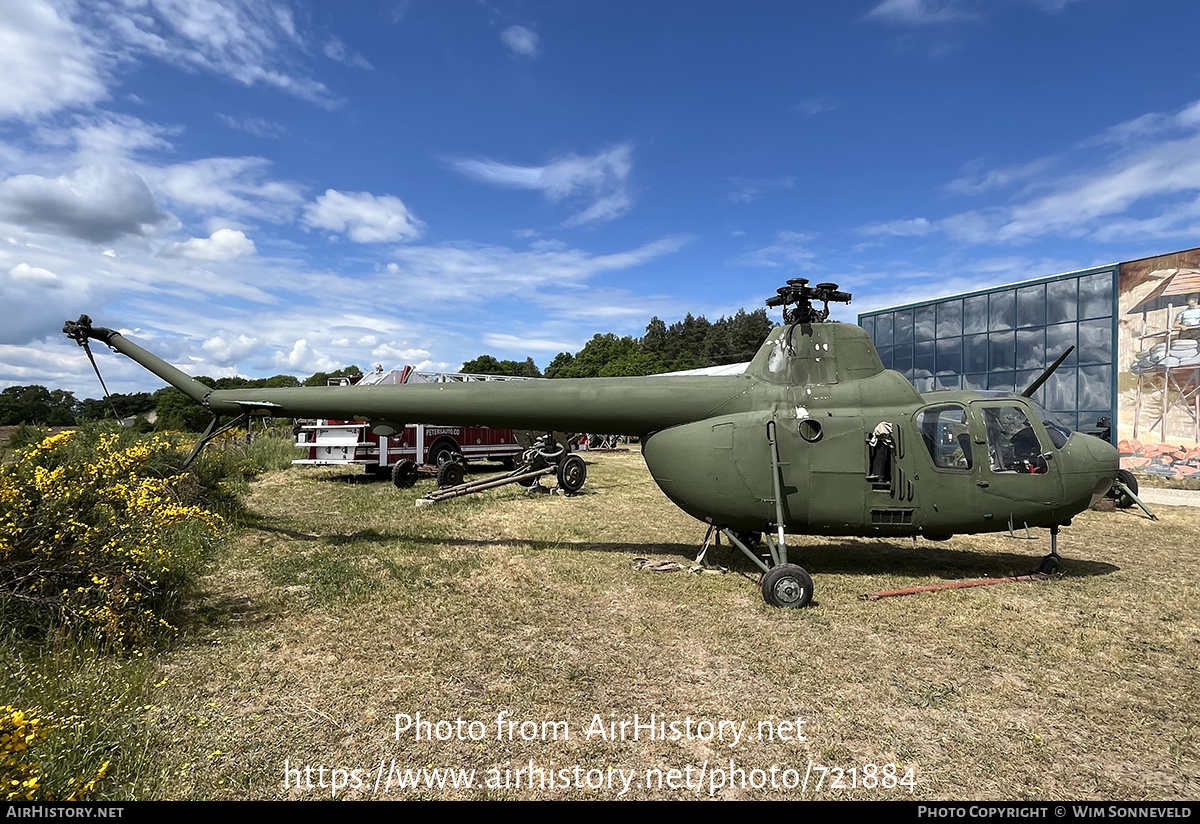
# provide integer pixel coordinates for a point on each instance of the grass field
(342, 605)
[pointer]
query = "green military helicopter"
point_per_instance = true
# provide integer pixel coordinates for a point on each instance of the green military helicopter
(814, 438)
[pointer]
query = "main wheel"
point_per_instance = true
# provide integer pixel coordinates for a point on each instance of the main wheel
(404, 473)
(450, 473)
(1123, 500)
(572, 472)
(787, 585)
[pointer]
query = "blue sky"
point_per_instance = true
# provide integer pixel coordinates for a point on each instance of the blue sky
(263, 187)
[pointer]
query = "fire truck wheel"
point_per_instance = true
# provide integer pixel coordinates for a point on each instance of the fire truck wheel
(450, 473)
(572, 472)
(404, 473)
(441, 453)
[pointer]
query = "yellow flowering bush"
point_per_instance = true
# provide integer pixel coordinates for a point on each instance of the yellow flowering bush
(99, 537)
(21, 778)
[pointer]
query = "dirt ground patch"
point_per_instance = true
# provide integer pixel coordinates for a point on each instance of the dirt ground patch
(344, 606)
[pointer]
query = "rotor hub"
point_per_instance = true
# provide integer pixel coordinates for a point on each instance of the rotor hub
(797, 300)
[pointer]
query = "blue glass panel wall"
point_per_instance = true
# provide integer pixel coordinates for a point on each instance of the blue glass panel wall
(1004, 338)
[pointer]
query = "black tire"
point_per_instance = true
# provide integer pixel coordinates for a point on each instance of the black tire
(440, 453)
(572, 472)
(404, 473)
(787, 585)
(1050, 565)
(450, 473)
(1126, 477)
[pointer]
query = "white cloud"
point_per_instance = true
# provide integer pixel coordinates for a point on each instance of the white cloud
(603, 178)
(514, 343)
(521, 40)
(24, 274)
(223, 244)
(978, 180)
(44, 61)
(899, 228)
(335, 49)
(365, 217)
(788, 250)
(750, 189)
(921, 12)
(462, 272)
(1138, 179)
(252, 42)
(303, 358)
(227, 350)
(391, 353)
(227, 186)
(37, 299)
(257, 126)
(95, 203)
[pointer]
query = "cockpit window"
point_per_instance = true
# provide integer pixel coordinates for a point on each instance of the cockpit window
(1012, 443)
(1058, 431)
(946, 436)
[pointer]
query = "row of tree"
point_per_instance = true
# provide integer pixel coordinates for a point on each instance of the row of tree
(39, 406)
(691, 343)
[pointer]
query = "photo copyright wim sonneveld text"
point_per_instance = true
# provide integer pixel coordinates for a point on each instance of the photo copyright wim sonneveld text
(711, 776)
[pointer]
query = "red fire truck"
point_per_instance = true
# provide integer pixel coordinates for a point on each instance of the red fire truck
(336, 442)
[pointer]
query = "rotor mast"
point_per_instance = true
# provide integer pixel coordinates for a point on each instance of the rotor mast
(797, 300)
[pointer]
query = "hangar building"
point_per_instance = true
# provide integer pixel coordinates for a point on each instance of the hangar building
(1136, 331)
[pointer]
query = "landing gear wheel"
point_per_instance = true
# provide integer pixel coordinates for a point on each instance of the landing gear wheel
(450, 473)
(1123, 500)
(572, 472)
(787, 585)
(1050, 565)
(404, 473)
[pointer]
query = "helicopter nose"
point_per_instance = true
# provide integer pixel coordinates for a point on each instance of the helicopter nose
(1104, 461)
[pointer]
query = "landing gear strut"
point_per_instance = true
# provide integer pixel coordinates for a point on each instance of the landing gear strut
(1052, 563)
(783, 584)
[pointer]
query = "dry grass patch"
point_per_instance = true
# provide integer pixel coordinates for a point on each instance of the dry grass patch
(342, 605)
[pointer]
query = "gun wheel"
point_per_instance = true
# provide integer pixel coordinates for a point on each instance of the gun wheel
(787, 585)
(404, 473)
(450, 473)
(572, 472)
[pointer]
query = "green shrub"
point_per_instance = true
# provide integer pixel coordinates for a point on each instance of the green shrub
(100, 533)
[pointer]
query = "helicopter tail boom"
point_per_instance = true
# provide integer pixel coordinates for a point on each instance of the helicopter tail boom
(82, 329)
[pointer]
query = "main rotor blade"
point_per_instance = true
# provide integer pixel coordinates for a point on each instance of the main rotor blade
(1045, 376)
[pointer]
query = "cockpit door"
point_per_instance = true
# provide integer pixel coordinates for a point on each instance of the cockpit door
(1016, 459)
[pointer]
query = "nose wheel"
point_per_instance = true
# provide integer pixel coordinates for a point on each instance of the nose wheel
(1052, 563)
